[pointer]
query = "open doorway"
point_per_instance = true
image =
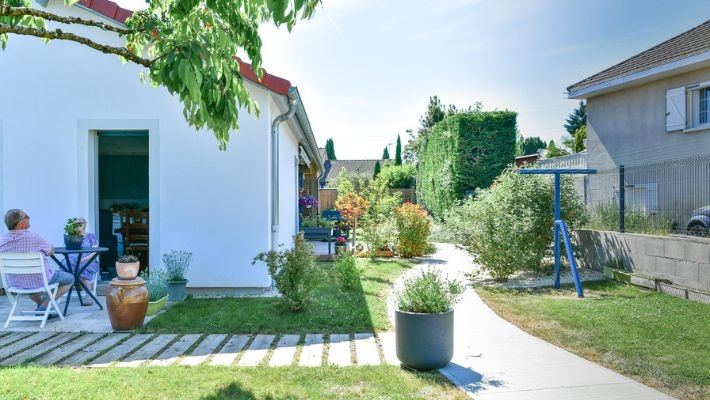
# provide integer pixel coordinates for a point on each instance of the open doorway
(123, 187)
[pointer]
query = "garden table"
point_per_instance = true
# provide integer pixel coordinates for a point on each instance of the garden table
(77, 269)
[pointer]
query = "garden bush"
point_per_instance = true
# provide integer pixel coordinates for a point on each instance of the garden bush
(413, 229)
(293, 271)
(509, 226)
(347, 272)
(398, 176)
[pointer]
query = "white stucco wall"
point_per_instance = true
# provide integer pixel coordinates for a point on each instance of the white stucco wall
(213, 203)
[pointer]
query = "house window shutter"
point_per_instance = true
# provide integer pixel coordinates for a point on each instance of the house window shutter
(675, 109)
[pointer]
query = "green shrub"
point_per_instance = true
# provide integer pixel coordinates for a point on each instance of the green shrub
(176, 262)
(347, 272)
(378, 228)
(398, 176)
(428, 293)
(605, 217)
(156, 282)
(510, 225)
(293, 271)
(413, 229)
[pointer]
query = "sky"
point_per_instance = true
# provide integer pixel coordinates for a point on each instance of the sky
(365, 69)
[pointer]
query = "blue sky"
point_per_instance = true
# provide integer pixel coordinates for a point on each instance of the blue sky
(365, 69)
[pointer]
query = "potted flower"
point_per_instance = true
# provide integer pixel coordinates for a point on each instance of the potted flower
(157, 286)
(305, 201)
(424, 320)
(72, 235)
(176, 264)
(340, 244)
(127, 266)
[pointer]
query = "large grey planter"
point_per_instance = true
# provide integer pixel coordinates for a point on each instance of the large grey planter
(424, 341)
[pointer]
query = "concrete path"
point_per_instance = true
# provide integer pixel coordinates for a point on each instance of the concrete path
(495, 360)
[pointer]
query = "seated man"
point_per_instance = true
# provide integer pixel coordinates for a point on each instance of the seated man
(20, 240)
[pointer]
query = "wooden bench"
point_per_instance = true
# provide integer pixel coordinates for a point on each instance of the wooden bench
(319, 234)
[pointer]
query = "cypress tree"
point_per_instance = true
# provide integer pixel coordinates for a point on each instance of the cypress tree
(377, 169)
(398, 152)
(330, 149)
(386, 154)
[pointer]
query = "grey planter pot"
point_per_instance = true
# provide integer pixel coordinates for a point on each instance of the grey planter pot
(176, 291)
(424, 341)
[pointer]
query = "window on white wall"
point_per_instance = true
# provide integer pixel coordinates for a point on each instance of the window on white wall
(687, 107)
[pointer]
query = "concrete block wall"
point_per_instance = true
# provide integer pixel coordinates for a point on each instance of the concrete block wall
(683, 260)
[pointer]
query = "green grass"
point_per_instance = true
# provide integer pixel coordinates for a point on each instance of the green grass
(331, 310)
(659, 340)
(211, 383)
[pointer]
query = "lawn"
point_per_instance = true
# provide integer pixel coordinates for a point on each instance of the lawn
(656, 339)
(331, 310)
(212, 383)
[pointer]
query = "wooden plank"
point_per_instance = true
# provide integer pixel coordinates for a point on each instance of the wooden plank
(312, 351)
(69, 348)
(172, 353)
(230, 350)
(203, 350)
(13, 337)
(148, 350)
(285, 351)
(40, 348)
(366, 349)
(82, 355)
(257, 350)
(120, 351)
(25, 342)
(339, 350)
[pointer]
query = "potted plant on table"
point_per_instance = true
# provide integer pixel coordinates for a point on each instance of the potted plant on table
(176, 264)
(157, 286)
(424, 320)
(316, 227)
(72, 235)
(127, 266)
(340, 245)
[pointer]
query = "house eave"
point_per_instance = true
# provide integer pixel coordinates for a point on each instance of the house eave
(686, 64)
(302, 126)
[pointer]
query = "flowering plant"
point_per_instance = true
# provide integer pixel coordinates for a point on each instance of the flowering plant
(340, 241)
(307, 201)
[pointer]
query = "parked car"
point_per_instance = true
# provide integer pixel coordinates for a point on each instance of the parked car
(699, 222)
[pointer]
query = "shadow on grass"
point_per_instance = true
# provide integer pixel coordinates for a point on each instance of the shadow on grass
(237, 392)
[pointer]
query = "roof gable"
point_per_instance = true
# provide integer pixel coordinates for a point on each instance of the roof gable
(689, 45)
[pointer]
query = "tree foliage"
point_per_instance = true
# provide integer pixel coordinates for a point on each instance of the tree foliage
(531, 145)
(577, 118)
(509, 225)
(554, 151)
(464, 152)
(386, 154)
(398, 176)
(378, 168)
(187, 46)
(398, 152)
(330, 149)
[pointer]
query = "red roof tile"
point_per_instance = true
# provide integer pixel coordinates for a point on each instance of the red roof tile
(113, 11)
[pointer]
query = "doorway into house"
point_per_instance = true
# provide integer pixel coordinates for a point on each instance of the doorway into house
(123, 188)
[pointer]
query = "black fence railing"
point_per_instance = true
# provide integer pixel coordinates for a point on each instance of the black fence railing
(653, 198)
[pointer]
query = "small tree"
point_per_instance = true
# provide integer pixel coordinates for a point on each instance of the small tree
(398, 152)
(413, 230)
(351, 206)
(554, 151)
(385, 154)
(377, 169)
(330, 149)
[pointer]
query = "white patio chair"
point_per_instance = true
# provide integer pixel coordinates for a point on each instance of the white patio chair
(17, 264)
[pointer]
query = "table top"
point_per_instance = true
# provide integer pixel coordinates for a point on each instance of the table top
(64, 250)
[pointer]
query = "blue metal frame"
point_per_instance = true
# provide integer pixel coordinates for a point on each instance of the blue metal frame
(560, 226)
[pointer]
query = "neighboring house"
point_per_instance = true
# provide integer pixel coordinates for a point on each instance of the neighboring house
(653, 107)
(79, 132)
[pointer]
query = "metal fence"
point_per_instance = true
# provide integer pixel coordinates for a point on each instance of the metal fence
(654, 198)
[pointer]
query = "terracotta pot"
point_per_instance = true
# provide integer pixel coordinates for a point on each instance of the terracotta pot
(127, 270)
(127, 303)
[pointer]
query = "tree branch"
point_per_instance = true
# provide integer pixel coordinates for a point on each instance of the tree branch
(20, 11)
(59, 34)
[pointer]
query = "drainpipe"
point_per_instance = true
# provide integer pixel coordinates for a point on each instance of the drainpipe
(292, 100)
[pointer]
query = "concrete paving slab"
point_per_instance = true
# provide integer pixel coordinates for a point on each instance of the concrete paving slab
(312, 351)
(229, 352)
(173, 353)
(387, 341)
(339, 350)
(285, 351)
(257, 350)
(203, 350)
(366, 349)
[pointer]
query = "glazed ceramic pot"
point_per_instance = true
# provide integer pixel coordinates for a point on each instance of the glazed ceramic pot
(127, 303)
(127, 270)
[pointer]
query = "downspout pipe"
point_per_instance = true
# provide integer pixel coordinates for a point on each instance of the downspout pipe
(292, 103)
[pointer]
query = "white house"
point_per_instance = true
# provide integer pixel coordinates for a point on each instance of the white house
(79, 132)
